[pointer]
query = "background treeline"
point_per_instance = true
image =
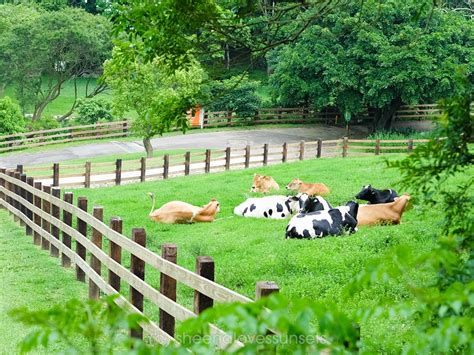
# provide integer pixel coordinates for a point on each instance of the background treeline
(344, 55)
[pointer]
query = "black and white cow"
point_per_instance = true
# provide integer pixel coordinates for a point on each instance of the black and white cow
(279, 207)
(375, 196)
(322, 223)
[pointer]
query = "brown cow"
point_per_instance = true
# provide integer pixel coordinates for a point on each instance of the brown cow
(178, 212)
(391, 212)
(262, 183)
(316, 189)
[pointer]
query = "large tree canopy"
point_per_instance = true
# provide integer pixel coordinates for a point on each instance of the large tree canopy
(39, 53)
(380, 56)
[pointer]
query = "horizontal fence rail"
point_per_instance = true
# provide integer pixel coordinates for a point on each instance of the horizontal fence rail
(39, 208)
(120, 171)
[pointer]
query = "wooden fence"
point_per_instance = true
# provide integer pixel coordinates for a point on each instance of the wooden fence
(309, 115)
(33, 139)
(49, 220)
(26, 140)
(140, 170)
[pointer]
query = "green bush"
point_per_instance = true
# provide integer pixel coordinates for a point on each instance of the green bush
(234, 94)
(93, 110)
(11, 118)
(43, 123)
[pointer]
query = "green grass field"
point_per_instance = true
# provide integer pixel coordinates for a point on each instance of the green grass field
(250, 250)
(29, 278)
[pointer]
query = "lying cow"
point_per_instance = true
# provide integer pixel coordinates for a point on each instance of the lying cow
(178, 212)
(307, 188)
(322, 223)
(375, 196)
(278, 207)
(263, 183)
(389, 213)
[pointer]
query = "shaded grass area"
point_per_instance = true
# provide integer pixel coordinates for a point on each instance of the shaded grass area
(29, 278)
(248, 250)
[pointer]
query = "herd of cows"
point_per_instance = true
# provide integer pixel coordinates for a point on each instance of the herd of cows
(312, 215)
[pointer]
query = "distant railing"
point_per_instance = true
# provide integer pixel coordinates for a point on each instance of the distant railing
(13, 142)
(211, 160)
(49, 219)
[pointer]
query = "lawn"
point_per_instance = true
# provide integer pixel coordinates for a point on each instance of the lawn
(29, 278)
(250, 250)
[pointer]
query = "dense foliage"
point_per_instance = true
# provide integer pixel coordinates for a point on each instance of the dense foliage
(11, 119)
(41, 50)
(237, 94)
(93, 110)
(378, 56)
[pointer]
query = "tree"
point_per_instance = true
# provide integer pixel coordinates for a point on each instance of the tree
(11, 119)
(91, 111)
(380, 56)
(236, 94)
(41, 53)
(160, 96)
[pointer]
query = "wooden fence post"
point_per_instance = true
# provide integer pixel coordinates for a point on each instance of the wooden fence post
(67, 219)
(125, 128)
(377, 147)
(410, 145)
(46, 225)
(29, 197)
(2, 184)
(9, 187)
(55, 174)
(142, 169)
(247, 156)
(166, 165)
(87, 174)
(265, 154)
(187, 161)
(137, 267)
(115, 252)
(19, 168)
(204, 268)
(301, 150)
(319, 148)
(344, 147)
(22, 195)
(118, 172)
(207, 167)
(168, 288)
(96, 238)
(81, 228)
(227, 158)
(16, 191)
(265, 288)
(56, 213)
(37, 217)
(284, 153)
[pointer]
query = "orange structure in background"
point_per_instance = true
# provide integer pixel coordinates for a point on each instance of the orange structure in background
(195, 116)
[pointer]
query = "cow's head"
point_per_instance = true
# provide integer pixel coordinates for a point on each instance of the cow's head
(212, 207)
(366, 192)
(261, 183)
(294, 184)
(353, 209)
(313, 204)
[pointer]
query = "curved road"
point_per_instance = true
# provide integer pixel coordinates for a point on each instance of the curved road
(187, 141)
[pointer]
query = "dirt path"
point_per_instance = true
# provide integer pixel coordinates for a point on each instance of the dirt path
(210, 140)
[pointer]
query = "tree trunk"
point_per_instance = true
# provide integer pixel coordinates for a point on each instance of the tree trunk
(148, 147)
(384, 116)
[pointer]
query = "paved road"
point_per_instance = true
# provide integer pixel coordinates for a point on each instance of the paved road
(188, 141)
